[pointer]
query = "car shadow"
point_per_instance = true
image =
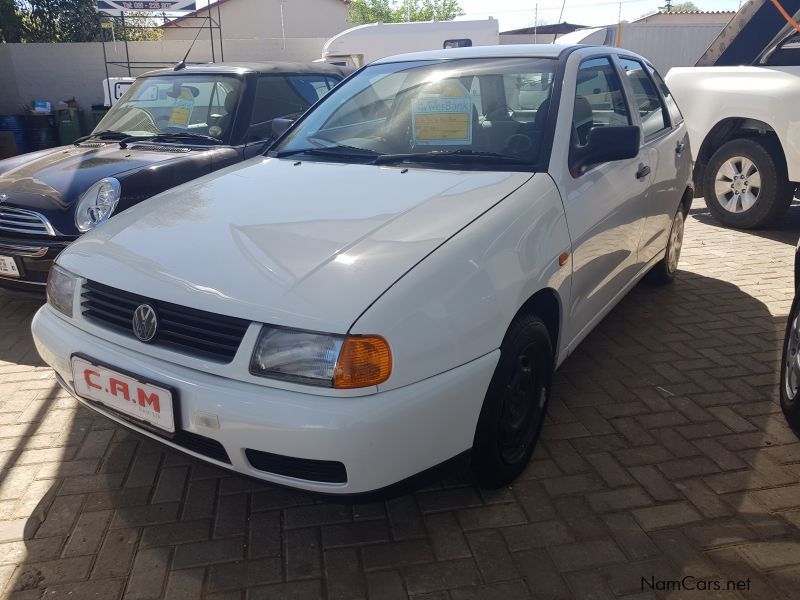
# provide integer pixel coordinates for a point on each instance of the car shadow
(785, 230)
(664, 459)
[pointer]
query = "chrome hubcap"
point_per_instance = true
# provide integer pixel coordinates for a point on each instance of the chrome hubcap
(675, 242)
(737, 184)
(792, 356)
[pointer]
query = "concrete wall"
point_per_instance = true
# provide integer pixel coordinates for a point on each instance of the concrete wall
(61, 71)
(261, 20)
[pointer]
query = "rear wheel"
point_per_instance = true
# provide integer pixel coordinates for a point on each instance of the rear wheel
(746, 184)
(515, 405)
(664, 271)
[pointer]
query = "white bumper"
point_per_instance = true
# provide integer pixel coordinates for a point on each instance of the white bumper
(381, 439)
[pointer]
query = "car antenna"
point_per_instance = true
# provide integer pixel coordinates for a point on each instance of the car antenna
(182, 64)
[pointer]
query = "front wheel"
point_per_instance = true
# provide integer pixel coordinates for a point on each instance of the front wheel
(746, 184)
(790, 369)
(515, 404)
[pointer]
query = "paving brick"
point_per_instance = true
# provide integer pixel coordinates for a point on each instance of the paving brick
(613, 474)
(116, 553)
(586, 554)
(385, 585)
(508, 590)
(265, 534)
(170, 485)
(149, 572)
(355, 533)
(179, 532)
(343, 574)
(492, 556)
(302, 553)
(316, 514)
(42, 575)
(397, 554)
(630, 537)
(104, 589)
(485, 517)
(208, 553)
(88, 533)
(620, 499)
(446, 536)
(441, 576)
(541, 574)
(536, 535)
(405, 518)
(296, 590)
(184, 584)
(240, 575)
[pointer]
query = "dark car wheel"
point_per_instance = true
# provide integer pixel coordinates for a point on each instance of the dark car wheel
(515, 405)
(746, 184)
(790, 369)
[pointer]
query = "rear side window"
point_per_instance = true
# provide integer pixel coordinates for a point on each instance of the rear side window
(599, 101)
(461, 43)
(675, 115)
(645, 97)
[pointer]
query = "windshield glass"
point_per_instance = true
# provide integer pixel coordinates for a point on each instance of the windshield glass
(198, 104)
(477, 113)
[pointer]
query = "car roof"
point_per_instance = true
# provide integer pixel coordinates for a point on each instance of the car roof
(267, 67)
(499, 51)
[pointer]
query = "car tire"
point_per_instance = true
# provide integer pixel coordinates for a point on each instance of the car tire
(790, 369)
(515, 405)
(730, 189)
(665, 270)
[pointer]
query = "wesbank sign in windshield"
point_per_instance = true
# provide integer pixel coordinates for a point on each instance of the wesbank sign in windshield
(442, 115)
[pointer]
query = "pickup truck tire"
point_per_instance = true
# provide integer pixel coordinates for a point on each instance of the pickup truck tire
(515, 405)
(746, 184)
(664, 270)
(790, 369)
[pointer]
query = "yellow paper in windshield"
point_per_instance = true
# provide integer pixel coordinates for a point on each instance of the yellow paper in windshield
(182, 111)
(442, 115)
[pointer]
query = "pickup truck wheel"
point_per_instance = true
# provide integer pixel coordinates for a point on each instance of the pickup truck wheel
(790, 369)
(664, 271)
(746, 184)
(515, 404)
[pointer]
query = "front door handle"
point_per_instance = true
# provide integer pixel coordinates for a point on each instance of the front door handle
(679, 148)
(643, 171)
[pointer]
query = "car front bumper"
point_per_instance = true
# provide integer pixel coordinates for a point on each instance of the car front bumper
(33, 257)
(381, 439)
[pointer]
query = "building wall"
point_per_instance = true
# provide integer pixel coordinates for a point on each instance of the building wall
(62, 71)
(687, 18)
(261, 20)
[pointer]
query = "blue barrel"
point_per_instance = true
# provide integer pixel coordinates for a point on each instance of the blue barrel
(16, 125)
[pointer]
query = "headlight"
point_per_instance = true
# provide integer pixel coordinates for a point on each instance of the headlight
(61, 289)
(320, 359)
(97, 203)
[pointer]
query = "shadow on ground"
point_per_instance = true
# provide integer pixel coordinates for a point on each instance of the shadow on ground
(665, 456)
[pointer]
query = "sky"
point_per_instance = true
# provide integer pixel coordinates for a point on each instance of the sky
(514, 14)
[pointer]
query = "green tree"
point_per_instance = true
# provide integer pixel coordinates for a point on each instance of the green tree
(140, 26)
(394, 11)
(10, 22)
(58, 20)
(685, 7)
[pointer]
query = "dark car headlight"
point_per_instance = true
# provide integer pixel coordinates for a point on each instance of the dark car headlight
(97, 203)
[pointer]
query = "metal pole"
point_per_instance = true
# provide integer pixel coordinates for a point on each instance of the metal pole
(211, 35)
(125, 33)
(105, 62)
(219, 24)
(535, 21)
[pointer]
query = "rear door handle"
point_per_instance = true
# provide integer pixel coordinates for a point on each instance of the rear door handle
(643, 172)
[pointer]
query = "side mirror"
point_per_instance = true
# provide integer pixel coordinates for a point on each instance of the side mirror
(605, 144)
(279, 126)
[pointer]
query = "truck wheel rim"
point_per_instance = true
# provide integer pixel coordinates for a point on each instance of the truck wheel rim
(792, 357)
(737, 185)
(675, 242)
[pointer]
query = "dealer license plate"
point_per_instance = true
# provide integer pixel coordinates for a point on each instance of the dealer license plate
(8, 267)
(142, 401)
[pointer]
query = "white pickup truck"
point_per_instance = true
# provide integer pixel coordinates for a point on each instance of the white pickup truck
(744, 132)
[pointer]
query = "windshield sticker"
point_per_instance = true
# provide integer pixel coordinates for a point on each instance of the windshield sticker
(442, 115)
(182, 111)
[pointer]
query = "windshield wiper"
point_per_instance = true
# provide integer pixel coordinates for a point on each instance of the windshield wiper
(341, 150)
(107, 134)
(462, 155)
(166, 137)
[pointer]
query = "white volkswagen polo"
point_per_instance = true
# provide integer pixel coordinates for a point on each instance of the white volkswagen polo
(392, 286)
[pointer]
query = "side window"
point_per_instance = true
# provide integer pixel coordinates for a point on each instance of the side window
(599, 101)
(461, 43)
(283, 96)
(787, 54)
(645, 97)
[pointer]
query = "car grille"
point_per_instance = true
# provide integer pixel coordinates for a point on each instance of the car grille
(19, 220)
(186, 330)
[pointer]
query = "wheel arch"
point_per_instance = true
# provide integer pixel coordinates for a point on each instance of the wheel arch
(733, 128)
(545, 304)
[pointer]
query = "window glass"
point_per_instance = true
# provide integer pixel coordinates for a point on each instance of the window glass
(284, 96)
(498, 106)
(599, 101)
(462, 43)
(675, 115)
(645, 97)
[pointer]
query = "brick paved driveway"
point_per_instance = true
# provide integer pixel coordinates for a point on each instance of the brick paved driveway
(665, 456)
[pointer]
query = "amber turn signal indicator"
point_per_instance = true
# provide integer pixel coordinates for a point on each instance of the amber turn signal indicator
(363, 361)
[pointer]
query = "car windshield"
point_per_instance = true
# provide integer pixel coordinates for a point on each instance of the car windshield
(473, 113)
(175, 105)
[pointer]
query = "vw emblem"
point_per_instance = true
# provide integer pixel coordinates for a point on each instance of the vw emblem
(145, 322)
(3, 197)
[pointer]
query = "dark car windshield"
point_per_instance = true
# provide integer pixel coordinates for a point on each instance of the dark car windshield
(176, 104)
(474, 113)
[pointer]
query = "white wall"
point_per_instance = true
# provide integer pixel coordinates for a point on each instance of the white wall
(61, 71)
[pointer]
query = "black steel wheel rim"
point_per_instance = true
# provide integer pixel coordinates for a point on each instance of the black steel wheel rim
(523, 407)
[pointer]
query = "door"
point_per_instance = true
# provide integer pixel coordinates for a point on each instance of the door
(664, 145)
(605, 205)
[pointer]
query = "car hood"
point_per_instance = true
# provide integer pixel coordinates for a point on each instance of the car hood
(55, 179)
(301, 244)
